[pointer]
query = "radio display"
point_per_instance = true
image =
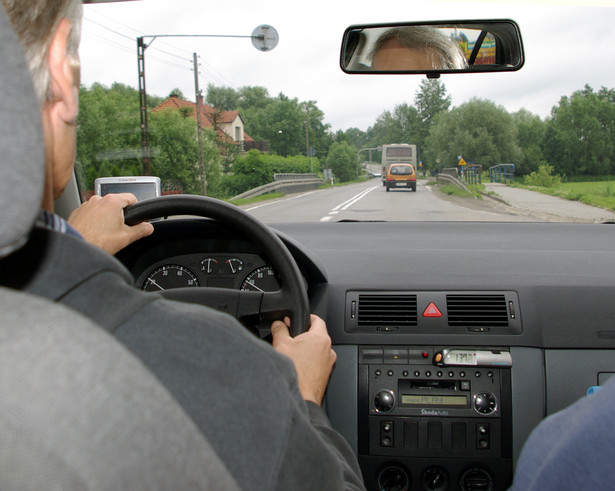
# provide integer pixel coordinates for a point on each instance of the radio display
(433, 400)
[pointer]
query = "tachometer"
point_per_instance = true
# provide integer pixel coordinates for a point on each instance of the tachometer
(263, 279)
(169, 276)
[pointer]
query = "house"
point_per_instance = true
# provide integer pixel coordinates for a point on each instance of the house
(228, 124)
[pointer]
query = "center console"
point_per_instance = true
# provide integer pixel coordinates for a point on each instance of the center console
(435, 418)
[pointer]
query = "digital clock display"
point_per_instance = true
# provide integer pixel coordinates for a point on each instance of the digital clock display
(463, 357)
(433, 400)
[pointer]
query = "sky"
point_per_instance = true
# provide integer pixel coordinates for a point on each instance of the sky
(567, 45)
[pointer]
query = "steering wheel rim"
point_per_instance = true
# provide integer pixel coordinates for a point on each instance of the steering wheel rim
(291, 299)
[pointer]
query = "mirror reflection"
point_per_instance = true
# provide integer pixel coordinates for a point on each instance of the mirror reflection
(416, 48)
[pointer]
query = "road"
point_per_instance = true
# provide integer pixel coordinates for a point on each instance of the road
(370, 201)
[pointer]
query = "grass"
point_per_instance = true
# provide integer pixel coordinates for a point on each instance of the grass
(596, 193)
(453, 190)
(256, 199)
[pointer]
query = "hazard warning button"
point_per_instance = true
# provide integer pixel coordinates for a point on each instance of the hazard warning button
(432, 311)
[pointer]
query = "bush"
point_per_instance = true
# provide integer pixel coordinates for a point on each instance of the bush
(543, 177)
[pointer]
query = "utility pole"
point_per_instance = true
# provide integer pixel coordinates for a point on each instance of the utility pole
(145, 155)
(199, 129)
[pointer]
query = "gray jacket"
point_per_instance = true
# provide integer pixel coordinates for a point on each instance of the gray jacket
(240, 392)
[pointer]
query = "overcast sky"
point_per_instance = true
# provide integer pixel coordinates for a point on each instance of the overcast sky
(566, 47)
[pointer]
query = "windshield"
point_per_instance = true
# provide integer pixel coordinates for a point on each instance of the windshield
(246, 101)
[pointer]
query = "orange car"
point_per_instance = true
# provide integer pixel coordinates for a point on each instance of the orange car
(401, 175)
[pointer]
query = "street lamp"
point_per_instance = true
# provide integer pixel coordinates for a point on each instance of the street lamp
(264, 38)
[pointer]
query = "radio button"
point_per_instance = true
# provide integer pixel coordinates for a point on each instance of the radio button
(384, 401)
(464, 385)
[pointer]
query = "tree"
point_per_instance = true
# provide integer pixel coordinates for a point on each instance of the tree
(579, 138)
(430, 100)
(222, 98)
(342, 159)
(108, 134)
(478, 130)
(530, 136)
(176, 158)
(287, 124)
(356, 137)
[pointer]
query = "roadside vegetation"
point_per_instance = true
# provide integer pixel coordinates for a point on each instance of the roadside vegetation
(596, 191)
(452, 190)
(576, 142)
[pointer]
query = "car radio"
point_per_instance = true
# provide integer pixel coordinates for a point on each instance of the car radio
(435, 418)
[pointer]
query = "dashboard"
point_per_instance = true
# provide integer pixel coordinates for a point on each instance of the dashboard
(454, 340)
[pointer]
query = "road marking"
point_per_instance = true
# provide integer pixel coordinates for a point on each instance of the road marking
(275, 201)
(347, 204)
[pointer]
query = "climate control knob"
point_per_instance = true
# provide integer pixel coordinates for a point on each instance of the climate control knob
(384, 401)
(484, 403)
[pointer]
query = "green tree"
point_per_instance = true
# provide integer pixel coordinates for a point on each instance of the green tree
(530, 136)
(222, 98)
(108, 134)
(430, 100)
(342, 159)
(176, 158)
(580, 135)
(478, 130)
(357, 138)
(287, 124)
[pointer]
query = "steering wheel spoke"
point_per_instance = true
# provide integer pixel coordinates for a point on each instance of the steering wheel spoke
(237, 303)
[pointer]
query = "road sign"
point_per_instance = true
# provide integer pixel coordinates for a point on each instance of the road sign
(462, 162)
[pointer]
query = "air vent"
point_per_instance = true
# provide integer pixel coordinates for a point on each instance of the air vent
(386, 310)
(477, 310)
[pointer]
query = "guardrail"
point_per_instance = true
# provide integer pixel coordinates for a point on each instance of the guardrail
(502, 173)
(453, 180)
(450, 171)
(285, 186)
(293, 177)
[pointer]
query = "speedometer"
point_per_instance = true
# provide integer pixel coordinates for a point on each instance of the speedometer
(169, 276)
(263, 279)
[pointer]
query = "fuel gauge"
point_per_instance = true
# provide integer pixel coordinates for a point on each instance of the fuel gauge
(209, 264)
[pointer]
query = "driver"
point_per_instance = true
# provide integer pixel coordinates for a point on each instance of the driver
(259, 406)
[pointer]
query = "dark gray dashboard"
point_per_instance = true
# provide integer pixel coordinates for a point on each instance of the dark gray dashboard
(541, 292)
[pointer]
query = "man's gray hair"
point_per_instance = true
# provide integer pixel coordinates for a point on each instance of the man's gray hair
(35, 22)
(443, 51)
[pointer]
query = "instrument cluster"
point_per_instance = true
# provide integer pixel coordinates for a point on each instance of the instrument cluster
(238, 271)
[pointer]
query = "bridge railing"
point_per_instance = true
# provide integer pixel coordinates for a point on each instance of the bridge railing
(472, 174)
(502, 173)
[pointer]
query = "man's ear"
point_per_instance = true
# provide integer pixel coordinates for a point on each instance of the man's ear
(63, 75)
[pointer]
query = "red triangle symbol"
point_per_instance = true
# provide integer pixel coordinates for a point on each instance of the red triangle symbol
(432, 311)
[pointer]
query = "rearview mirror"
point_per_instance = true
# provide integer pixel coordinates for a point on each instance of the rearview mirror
(433, 48)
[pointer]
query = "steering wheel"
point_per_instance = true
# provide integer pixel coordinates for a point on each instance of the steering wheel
(290, 300)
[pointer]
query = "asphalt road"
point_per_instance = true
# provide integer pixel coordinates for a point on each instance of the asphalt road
(370, 201)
